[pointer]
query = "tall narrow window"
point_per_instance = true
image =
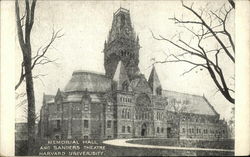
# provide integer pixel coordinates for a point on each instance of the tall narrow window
(122, 20)
(122, 113)
(158, 91)
(58, 124)
(86, 124)
(128, 128)
(123, 129)
(128, 114)
(158, 130)
(109, 124)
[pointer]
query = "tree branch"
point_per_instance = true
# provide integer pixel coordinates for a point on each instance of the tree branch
(22, 76)
(39, 58)
(210, 29)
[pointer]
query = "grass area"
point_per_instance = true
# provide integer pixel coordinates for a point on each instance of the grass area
(128, 151)
(223, 144)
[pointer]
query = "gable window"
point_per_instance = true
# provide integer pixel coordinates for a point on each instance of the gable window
(86, 124)
(109, 124)
(158, 91)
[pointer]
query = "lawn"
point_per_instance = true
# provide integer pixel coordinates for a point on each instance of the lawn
(127, 151)
(222, 144)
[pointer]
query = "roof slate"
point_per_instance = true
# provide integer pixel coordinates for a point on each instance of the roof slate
(90, 81)
(196, 104)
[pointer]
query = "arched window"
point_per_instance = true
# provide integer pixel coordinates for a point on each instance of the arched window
(158, 116)
(128, 114)
(125, 86)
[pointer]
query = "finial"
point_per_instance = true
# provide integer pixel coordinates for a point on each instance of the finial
(105, 44)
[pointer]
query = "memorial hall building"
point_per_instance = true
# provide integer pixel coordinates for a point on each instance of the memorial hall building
(122, 103)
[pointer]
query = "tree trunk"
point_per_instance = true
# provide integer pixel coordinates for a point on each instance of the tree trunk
(31, 100)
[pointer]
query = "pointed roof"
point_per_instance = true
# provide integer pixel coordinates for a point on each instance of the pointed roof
(120, 75)
(153, 80)
(121, 25)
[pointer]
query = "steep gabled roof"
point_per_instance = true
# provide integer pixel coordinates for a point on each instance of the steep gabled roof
(194, 103)
(153, 80)
(120, 75)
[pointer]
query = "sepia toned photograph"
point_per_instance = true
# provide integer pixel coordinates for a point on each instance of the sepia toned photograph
(124, 78)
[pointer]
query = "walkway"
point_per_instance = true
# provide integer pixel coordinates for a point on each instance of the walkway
(124, 143)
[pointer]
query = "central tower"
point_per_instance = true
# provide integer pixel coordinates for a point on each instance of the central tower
(122, 45)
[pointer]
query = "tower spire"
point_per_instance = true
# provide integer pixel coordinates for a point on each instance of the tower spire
(154, 82)
(122, 45)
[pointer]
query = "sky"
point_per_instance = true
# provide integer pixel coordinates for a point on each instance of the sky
(85, 26)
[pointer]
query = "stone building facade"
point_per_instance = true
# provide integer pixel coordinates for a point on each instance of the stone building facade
(122, 103)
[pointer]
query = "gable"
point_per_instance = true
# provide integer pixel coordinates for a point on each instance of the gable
(140, 84)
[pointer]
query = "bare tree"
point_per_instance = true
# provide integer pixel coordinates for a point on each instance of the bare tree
(208, 28)
(178, 108)
(29, 62)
